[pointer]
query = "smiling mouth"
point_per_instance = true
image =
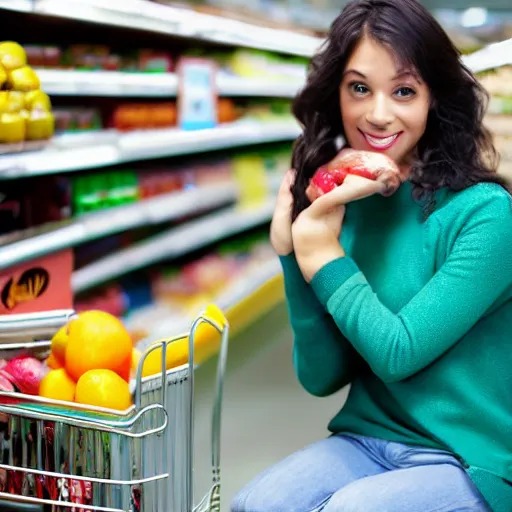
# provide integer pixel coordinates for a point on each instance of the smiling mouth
(380, 143)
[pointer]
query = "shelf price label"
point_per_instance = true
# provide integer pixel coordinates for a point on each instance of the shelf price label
(197, 94)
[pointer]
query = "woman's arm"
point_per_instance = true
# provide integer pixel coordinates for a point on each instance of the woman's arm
(476, 274)
(324, 360)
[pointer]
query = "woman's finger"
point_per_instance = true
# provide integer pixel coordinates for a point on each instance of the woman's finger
(353, 188)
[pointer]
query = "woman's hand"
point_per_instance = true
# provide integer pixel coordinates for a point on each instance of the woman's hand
(281, 225)
(317, 230)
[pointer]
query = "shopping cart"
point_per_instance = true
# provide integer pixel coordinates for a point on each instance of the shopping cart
(66, 457)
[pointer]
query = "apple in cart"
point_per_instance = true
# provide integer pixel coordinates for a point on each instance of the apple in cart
(25, 372)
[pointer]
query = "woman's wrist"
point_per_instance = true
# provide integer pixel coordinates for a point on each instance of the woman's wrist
(311, 261)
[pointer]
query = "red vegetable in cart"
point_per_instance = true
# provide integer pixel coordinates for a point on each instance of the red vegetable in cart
(369, 165)
(26, 373)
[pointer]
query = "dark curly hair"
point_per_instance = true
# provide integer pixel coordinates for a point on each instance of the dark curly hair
(456, 150)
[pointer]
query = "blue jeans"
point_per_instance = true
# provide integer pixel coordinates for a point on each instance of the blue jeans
(359, 474)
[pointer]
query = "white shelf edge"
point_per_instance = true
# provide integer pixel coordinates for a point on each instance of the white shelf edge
(493, 56)
(225, 301)
(57, 82)
(172, 244)
(174, 21)
(156, 210)
(104, 148)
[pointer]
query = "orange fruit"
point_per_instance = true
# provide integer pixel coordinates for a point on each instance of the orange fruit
(53, 363)
(57, 385)
(59, 343)
(98, 340)
(103, 388)
(206, 342)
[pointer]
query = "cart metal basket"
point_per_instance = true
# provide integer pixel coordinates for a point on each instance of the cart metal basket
(63, 457)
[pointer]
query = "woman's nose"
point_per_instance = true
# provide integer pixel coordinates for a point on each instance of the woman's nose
(380, 112)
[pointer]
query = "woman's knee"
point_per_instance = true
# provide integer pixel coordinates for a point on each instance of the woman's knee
(300, 483)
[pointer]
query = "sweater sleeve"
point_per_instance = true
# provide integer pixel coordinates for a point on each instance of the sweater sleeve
(475, 275)
(324, 360)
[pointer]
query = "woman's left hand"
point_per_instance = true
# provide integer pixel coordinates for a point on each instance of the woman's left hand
(316, 231)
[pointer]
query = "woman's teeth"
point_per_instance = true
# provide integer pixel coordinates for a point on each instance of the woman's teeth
(379, 142)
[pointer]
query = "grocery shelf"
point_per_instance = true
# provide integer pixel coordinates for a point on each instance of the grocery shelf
(95, 225)
(499, 124)
(174, 21)
(243, 304)
(493, 56)
(57, 82)
(103, 148)
(172, 243)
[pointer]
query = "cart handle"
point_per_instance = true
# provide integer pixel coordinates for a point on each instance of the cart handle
(217, 407)
(44, 323)
(113, 427)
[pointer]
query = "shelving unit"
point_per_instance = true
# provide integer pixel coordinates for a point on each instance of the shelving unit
(172, 244)
(103, 148)
(172, 21)
(244, 303)
(166, 207)
(155, 85)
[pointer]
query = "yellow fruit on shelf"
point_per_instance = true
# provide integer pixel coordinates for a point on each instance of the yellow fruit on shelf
(206, 343)
(23, 79)
(98, 340)
(103, 388)
(59, 344)
(12, 128)
(37, 100)
(3, 76)
(15, 102)
(4, 101)
(40, 125)
(12, 55)
(58, 385)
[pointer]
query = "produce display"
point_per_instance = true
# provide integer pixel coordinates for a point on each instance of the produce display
(366, 164)
(92, 57)
(242, 62)
(25, 110)
(498, 83)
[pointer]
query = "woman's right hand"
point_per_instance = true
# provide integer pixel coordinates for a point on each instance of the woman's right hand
(281, 226)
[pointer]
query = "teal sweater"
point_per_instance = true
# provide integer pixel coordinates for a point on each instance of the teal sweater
(418, 317)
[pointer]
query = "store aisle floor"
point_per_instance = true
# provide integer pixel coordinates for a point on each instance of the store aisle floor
(266, 414)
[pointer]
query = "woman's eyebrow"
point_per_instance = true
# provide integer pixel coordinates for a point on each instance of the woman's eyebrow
(355, 72)
(406, 73)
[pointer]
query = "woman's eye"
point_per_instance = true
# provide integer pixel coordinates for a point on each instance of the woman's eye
(359, 88)
(405, 92)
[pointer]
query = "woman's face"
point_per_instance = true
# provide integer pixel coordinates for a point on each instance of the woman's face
(384, 107)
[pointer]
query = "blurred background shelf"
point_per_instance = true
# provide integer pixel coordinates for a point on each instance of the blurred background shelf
(154, 85)
(99, 149)
(172, 244)
(244, 303)
(89, 227)
(174, 21)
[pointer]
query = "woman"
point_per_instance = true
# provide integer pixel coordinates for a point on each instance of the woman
(408, 297)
